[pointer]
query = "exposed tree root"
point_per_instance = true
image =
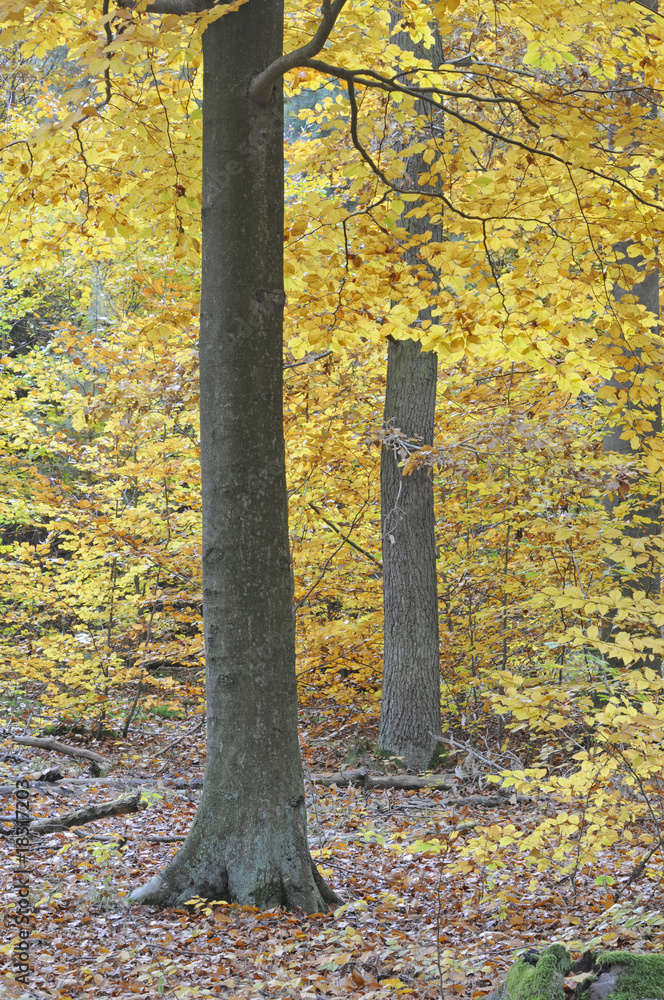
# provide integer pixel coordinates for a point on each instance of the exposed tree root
(214, 868)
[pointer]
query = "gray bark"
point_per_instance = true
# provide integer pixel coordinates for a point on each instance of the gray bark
(645, 514)
(248, 842)
(410, 706)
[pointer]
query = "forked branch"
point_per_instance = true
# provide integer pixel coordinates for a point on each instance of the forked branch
(262, 84)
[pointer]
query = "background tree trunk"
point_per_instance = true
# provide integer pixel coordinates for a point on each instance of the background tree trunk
(248, 842)
(645, 517)
(410, 706)
(645, 513)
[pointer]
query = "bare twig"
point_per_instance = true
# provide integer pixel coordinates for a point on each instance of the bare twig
(638, 871)
(353, 545)
(329, 559)
(308, 359)
(148, 635)
(179, 740)
(109, 39)
(439, 910)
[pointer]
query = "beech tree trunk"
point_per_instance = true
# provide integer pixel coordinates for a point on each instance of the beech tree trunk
(645, 514)
(410, 706)
(248, 843)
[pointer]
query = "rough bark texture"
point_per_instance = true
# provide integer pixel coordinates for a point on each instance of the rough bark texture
(248, 842)
(646, 520)
(646, 292)
(410, 706)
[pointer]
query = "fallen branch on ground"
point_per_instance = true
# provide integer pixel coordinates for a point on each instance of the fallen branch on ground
(406, 782)
(490, 801)
(46, 743)
(181, 739)
(175, 839)
(86, 815)
(487, 801)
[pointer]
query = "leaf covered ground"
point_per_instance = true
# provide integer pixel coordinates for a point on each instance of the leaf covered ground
(436, 894)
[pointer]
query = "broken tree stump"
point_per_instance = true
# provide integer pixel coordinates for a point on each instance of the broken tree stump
(611, 975)
(620, 975)
(536, 976)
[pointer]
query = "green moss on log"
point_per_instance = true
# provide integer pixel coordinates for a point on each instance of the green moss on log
(620, 975)
(612, 975)
(537, 977)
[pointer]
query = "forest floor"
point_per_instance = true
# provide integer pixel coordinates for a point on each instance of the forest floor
(413, 923)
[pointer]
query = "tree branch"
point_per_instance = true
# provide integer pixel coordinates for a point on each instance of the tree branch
(309, 359)
(262, 84)
(348, 541)
(344, 539)
(179, 7)
(88, 814)
(369, 78)
(45, 743)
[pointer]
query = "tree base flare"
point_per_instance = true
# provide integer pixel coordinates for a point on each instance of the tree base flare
(189, 877)
(612, 975)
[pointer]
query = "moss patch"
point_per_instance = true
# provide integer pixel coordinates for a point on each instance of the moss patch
(613, 975)
(641, 977)
(537, 977)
